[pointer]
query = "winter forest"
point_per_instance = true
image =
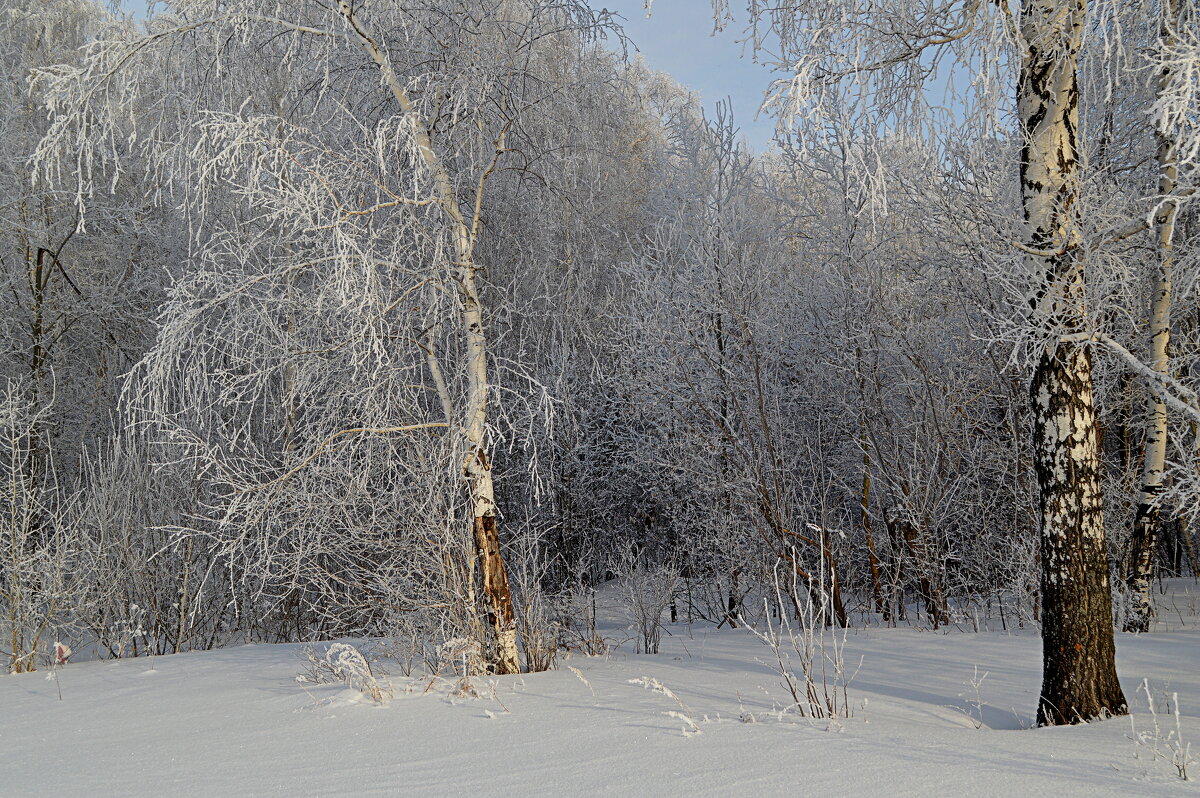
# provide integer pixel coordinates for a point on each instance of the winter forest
(452, 331)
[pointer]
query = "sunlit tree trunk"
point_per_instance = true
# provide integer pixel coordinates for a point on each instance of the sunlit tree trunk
(1139, 567)
(1079, 680)
(476, 467)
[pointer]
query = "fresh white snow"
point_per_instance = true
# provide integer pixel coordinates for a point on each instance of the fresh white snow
(235, 722)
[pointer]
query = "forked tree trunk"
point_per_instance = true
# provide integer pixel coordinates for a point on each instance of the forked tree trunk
(1139, 565)
(837, 609)
(1079, 681)
(929, 590)
(477, 469)
(896, 588)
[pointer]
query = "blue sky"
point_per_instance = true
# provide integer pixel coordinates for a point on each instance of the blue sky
(678, 39)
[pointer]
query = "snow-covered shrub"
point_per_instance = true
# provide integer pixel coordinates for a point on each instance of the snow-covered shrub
(648, 593)
(343, 663)
(461, 657)
(576, 622)
(408, 641)
(42, 568)
(808, 653)
(1169, 746)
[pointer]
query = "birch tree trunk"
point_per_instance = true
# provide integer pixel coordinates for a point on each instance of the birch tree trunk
(476, 468)
(1139, 567)
(1079, 679)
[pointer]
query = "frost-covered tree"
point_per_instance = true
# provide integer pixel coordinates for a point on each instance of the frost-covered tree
(1172, 64)
(74, 315)
(877, 62)
(336, 171)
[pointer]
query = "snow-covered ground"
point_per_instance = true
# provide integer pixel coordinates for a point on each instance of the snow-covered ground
(235, 722)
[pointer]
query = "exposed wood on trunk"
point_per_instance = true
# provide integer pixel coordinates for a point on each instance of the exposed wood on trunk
(476, 469)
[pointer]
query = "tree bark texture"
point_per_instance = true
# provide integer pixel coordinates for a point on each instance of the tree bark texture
(1079, 679)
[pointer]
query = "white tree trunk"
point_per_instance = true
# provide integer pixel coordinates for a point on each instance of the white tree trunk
(476, 468)
(1079, 680)
(1144, 541)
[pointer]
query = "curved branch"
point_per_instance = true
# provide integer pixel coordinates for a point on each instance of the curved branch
(1173, 392)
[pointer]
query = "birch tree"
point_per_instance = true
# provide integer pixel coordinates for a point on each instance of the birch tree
(879, 61)
(1079, 679)
(464, 233)
(417, 160)
(1172, 59)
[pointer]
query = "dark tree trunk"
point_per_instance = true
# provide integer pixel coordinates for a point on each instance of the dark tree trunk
(1079, 681)
(1139, 570)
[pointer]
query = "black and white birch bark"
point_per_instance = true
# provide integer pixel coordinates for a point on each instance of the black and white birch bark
(1139, 565)
(1079, 680)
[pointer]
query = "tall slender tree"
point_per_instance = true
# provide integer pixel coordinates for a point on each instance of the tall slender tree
(1174, 15)
(877, 61)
